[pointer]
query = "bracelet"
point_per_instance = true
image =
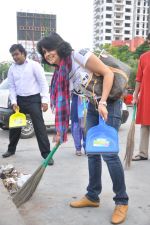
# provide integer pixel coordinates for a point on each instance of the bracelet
(103, 103)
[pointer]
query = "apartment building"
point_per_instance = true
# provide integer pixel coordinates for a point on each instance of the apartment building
(120, 20)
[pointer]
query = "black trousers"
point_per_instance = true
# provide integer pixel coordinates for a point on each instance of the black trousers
(31, 105)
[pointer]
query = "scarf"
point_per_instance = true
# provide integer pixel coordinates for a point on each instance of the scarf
(60, 97)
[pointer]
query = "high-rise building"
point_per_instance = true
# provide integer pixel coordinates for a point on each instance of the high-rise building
(31, 27)
(120, 20)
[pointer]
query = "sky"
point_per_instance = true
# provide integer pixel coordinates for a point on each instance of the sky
(74, 21)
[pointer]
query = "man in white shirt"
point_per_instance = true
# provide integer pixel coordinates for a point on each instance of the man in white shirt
(28, 90)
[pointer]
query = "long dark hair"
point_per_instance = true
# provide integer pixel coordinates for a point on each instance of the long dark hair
(54, 42)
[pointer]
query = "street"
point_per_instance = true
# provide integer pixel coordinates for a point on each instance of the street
(67, 181)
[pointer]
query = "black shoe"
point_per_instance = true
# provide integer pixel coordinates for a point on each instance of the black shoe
(138, 158)
(51, 162)
(8, 154)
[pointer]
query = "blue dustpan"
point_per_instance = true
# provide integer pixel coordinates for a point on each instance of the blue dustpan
(102, 139)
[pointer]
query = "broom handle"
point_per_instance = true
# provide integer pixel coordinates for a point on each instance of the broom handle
(134, 112)
(50, 155)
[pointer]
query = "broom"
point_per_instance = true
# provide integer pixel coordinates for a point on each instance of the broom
(29, 187)
(130, 141)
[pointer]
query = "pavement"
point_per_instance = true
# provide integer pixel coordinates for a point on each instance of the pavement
(8, 213)
(67, 181)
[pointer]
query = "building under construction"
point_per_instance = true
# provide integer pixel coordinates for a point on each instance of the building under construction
(31, 27)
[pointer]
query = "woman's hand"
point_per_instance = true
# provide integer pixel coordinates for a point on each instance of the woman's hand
(135, 98)
(103, 111)
(56, 138)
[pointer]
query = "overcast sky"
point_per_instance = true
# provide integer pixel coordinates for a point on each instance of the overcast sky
(74, 21)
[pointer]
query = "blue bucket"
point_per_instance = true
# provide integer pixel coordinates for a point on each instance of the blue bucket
(102, 139)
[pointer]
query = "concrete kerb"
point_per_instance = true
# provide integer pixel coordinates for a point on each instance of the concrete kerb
(8, 212)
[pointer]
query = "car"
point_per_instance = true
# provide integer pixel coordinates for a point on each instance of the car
(6, 111)
(49, 117)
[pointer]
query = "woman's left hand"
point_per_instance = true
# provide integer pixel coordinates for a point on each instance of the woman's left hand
(56, 138)
(103, 111)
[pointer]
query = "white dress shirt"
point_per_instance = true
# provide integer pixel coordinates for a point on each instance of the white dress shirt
(27, 79)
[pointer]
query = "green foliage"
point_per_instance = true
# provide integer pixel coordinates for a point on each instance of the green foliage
(141, 49)
(123, 54)
(133, 64)
(48, 68)
(4, 66)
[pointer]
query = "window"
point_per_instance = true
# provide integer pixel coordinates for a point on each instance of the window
(108, 30)
(108, 23)
(117, 31)
(127, 39)
(108, 16)
(109, 1)
(117, 38)
(108, 8)
(127, 24)
(127, 17)
(127, 32)
(128, 10)
(118, 24)
(138, 10)
(137, 32)
(107, 38)
(118, 16)
(128, 2)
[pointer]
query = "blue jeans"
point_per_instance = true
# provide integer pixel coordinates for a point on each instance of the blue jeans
(113, 162)
(78, 135)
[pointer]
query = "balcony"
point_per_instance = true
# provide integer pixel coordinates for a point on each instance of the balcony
(120, 10)
(118, 34)
(118, 26)
(118, 18)
(119, 3)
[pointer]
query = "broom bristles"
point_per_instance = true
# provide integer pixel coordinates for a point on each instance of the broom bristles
(29, 187)
(130, 145)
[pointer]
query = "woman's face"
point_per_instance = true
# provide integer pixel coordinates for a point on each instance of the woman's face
(51, 56)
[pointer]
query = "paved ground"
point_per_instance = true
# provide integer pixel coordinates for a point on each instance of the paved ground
(67, 180)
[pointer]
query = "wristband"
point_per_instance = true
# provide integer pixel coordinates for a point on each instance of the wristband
(103, 103)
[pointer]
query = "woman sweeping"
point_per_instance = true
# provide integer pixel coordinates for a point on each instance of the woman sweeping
(70, 65)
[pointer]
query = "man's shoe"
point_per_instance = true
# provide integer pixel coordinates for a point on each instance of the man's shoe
(139, 157)
(84, 202)
(51, 162)
(7, 154)
(119, 214)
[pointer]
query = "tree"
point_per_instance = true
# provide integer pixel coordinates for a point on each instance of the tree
(141, 49)
(4, 66)
(123, 54)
